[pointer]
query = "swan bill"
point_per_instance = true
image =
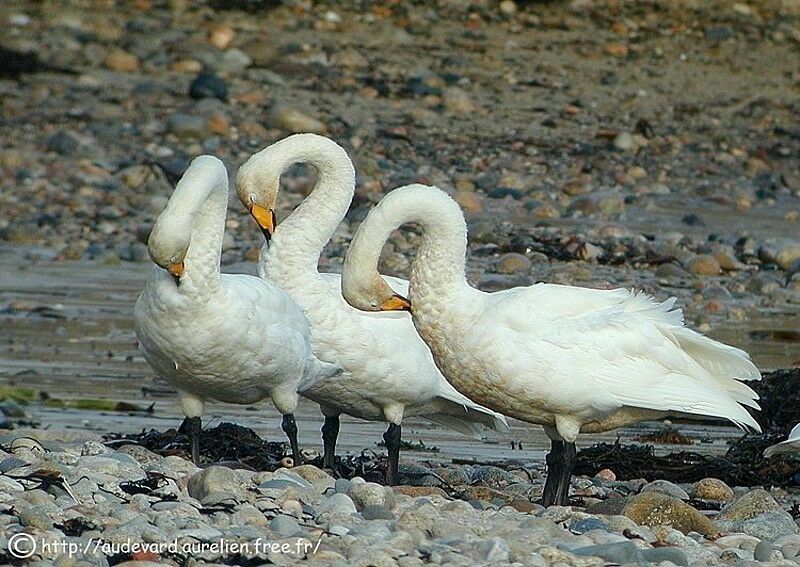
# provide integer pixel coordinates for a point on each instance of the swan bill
(265, 218)
(396, 303)
(176, 270)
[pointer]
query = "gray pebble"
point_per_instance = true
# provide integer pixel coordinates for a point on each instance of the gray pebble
(285, 526)
(619, 552)
(763, 551)
(377, 512)
(659, 554)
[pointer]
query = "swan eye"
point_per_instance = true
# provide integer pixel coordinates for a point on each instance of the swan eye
(373, 304)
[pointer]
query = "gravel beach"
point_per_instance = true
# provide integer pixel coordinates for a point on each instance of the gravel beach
(605, 144)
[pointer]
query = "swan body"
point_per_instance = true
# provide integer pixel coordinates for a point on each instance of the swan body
(789, 447)
(388, 372)
(568, 358)
(227, 337)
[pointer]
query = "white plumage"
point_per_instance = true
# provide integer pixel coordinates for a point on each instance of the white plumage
(389, 373)
(571, 359)
(227, 337)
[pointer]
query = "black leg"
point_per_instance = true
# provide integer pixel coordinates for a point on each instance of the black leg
(193, 428)
(289, 427)
(567, 464)
(330, 431)
(392, 440)
(555, 465)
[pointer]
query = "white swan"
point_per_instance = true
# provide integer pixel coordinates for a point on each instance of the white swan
(227, 337)
(389, 373)
(790, 446)
(568, 358)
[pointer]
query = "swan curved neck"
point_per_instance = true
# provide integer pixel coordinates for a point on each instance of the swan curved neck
(441, 257)
(298, 241)
(198, 205)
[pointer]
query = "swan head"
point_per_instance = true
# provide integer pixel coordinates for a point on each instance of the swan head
(168, 244)
(257, 185)
(372, 295)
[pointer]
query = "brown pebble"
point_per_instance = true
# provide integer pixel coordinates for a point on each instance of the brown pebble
(221, 36)
(704, 265)
(120, 60)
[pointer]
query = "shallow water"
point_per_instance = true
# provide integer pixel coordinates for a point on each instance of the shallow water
(67, 330)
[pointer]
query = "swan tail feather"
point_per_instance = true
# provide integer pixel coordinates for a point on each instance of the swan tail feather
(467, 417)
(316, 371)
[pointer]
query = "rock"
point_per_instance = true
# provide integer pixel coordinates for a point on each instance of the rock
(369, 493)
(295, 121)
(415, 491)
(655, 509)
(656, 555)
(508, 7)
(757, 514)
(712, 489)
(787, 255)
(121, 60)
(338, 504)
(666, 487)
(214, 480)
(377, 512)
(342, 485)
(763, 551)
(221, 36)
(704, 265)
(37, 517)
(749, 505)
(618, 553)
(458, 101)
(495, 551)
(469, 201)
(604, 203)
(234, 61)
(312, 474)
(616, 49)
(587, 525)
(350, 59)
(512, 263)
(624, 141)
(606, 475)
(285, 526)
(91, 448)
(64, 142)
(727, 259)
(188, 125)
(208, 85)
(768, 526)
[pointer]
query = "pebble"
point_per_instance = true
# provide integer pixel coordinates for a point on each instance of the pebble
(188, 125)
(120, 60)
(666, 487)
(221, 36)
(350, 59)
(214, 480)
(64, 142)
(712, 489)
(458, 101)
(704, 265)
(512, 263)
(624, 141)
(285, 526)
(758, 514)
(295, 121)
(788, 255)
(208, 85)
